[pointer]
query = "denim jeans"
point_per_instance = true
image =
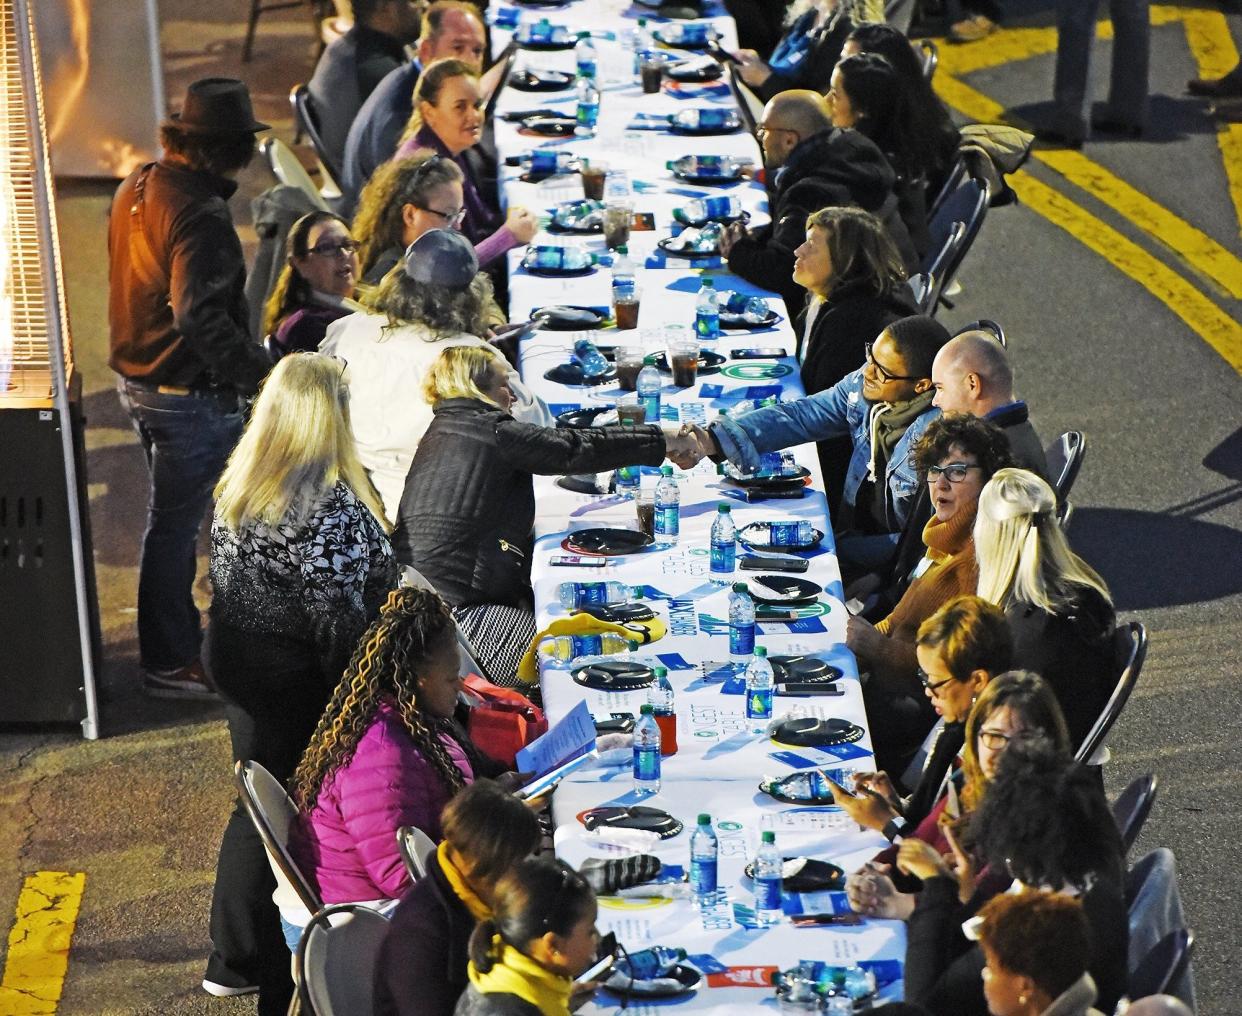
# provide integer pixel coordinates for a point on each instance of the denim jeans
(187, 440)
(1127, 89)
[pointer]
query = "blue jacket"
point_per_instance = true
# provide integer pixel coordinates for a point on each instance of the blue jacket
(837, 411)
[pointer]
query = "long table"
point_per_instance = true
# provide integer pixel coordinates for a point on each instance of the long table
(721, 759)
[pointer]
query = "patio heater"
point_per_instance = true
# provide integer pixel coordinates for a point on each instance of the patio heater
(49, 628)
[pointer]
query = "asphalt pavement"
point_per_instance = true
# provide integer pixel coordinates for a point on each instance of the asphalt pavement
(1122, 314)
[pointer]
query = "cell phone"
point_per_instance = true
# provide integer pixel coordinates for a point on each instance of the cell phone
(756, 562)
(764, 353)
(518, 329)
(596, 971)
(848, 920)
(617, 723)
(720, 53)
(809, 688)
(574, 561)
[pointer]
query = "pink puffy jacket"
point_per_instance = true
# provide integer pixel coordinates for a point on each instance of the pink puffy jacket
(347, 843)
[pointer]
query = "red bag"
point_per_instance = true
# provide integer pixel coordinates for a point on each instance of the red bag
(504, 721)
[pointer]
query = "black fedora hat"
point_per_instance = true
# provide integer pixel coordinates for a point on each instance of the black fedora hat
(217, 106)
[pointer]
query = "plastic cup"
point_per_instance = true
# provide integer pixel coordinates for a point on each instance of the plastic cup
(652, 71)
(629, 363)
(593, 175)
(644, 505)
(617, 219)
(683, 358)
(625, 311)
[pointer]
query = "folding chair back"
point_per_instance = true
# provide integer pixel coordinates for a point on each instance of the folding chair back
(965, 207)
(287, 168)
(335, 958)
(272, 811)
(985, 325)
(938, 265)
(1065, 515)
(1132, 807)
(308, 122)
(506, 60)
(1165, 964)
(1154, 911)
(749, 108)
(930, 56)
(1130, 645)
(1065, 456)
(921, 287)
(899, 13)
(416, 849)
(951, 183)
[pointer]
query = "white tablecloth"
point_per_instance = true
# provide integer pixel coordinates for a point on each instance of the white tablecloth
(720, 759)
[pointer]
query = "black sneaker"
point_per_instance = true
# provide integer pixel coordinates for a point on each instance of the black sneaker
(188, 682)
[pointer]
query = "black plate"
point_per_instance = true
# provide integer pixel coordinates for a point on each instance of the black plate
(558, 273)
(571, 374)
(578, 418)
(815, 876)
(550, 126)
(607, 542)
(546, 81)
(803, 670)
(619, 613)
(709, 363)
(689, 255)
(614, 675)
(569, 318)
(755, 527)
(812, 732)
(549, 46)
(735, 322)
(687, 977)
(638, 816)
(770, 481)
(583, 483)
(711, 72)
(802, 590)
(709, 181)
(518, 115)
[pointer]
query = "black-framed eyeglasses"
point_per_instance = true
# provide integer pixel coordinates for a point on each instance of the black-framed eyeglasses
(994, 740)
(763, 130)
(929, 684)
(450, 218)
(332, 250)
(885, 373)
(954, 472)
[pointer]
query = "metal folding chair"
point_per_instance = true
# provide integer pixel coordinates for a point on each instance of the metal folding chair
(1164, 965)
(335, 959)
(416, 849)
(288, 169)
(1065, 456)
(308, 122)
(930, 56)
(985, 325)
(1130, 644)
(1132, 807)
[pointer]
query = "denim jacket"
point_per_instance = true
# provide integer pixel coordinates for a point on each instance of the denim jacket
(838, 410)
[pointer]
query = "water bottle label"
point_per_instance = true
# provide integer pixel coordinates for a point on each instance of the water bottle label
(646, 762)
(592, 593)
(741, 639)
(789, 534)
(628, 476)
(759, 704)
(724, 556)
(588, 113)
(544, 161)
(720, 207)
(651, 404)
(667, 519)
(586, 69)
(623, 288)
(707, 326)
(703, 875)
(587, 645)
(768, 892)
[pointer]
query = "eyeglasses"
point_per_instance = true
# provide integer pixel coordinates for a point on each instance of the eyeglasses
(763, 130)
(332, 250)
(929, 684)
(954, 472)
(450, 218)
(994, 740)
(885, 374)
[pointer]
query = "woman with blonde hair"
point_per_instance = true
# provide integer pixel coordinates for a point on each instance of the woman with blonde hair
(1059, 609)
(436, 299)
(448, 120)
(386, 753)
(468, 506)
(300, 563)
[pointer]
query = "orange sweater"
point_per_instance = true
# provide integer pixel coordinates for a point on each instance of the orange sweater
(952, 572)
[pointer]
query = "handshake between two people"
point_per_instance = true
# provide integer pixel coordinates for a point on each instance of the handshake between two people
(688, 444)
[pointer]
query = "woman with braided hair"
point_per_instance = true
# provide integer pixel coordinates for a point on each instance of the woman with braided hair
(387, 753)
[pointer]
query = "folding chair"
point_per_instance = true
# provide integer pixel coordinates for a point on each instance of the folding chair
(499, 72)
(416, 849)
(1065, 514)
(1130, 645)
(951, 183)
(287, 168)
(937, 267)
(335, 958)
(257, 7)
(899, 13)
(985, 325)
(308, 122)
(930, 56)
(1132, 807)
(954, 226)
(1065, 456)
(1166, 963)
(749, 108)
(921, 286)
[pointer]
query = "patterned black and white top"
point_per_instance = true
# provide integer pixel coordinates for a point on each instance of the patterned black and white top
(316, 585)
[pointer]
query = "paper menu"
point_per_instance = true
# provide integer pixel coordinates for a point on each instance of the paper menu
(571, 738)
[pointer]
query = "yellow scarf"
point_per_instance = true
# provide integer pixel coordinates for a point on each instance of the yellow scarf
(517, 974)
(457, 882)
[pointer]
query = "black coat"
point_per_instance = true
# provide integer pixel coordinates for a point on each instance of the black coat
(468, 506)
(834, 167)
(1073, 652)
(421, 966)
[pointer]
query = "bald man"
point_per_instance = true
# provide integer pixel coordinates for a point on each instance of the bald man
(971, 374)
(810, 165)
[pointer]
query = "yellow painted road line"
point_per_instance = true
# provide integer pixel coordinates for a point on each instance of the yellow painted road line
(1207, 32)
(1206, 319)
(1198, 249)
(34, 972)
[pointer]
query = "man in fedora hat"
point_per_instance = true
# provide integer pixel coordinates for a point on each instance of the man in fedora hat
(183, 354)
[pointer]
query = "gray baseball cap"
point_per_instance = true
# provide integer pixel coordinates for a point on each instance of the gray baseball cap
(442, 257)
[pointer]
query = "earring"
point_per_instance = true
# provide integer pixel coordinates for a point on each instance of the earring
(1021, 1000)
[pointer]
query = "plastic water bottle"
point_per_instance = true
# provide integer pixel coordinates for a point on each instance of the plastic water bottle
(624, 275)
(707, 312)
(584, 56)
(573, 648)
(589, 357)
(642, 42)
(647, 752)
(767, 881)
(588, 107)
(741, 625)
(595, 594)
(547, 162)
(759, 689)
(724, 545)
(660, 693)
(648, 964)
(667, 508)
(838, 1003)
(627, 479)
(704, 851)
(648, 386)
